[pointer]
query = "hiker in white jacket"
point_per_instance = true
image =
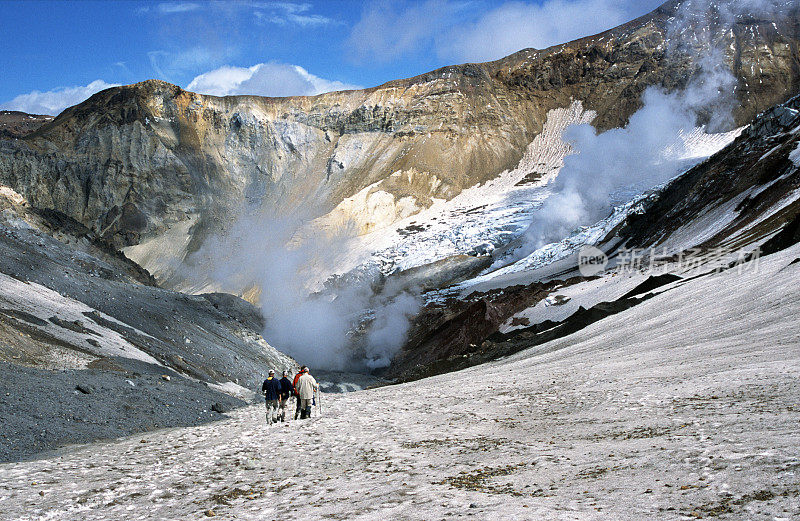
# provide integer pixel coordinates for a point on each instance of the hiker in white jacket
(306, 387)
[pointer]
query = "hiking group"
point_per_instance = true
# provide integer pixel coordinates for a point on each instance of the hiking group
(278, 392)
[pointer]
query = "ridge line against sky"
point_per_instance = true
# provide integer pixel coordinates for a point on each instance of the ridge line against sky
(58, 54)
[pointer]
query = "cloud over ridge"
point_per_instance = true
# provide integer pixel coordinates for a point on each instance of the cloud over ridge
(52, 102)
(264, 79)
(514, 26)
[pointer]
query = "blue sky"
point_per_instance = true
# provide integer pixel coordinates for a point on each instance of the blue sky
(55, 54)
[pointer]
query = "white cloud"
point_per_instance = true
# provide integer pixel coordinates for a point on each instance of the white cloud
(177, 7)
(221, 82)
(454, 30)
(518, 25)
(305, 20)
(54, 101)
(169, 8)
(285, 13)
(282, 13)
(384, 33)
(264, 79)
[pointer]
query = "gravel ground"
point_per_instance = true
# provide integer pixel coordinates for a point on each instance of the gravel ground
(41, 410)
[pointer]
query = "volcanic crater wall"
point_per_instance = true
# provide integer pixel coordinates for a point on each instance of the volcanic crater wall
(153, 165)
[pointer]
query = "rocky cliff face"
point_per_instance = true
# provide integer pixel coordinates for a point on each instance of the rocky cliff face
(156, 168)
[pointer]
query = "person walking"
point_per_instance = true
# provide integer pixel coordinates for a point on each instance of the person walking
(306, 387)
(294, 392)
(286, 391)
(271, 390)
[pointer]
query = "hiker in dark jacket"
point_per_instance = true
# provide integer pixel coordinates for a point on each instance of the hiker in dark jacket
(271, 388)
(286, 391)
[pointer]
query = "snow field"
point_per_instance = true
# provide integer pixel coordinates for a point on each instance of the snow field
(682, 406)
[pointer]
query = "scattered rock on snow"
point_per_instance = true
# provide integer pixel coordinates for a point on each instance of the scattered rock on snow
(556, 300)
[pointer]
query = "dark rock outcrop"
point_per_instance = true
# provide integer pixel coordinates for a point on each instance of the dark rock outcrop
(757, 172)
(15, 124)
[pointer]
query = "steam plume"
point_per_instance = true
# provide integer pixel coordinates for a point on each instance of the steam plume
(315, 327)
(649, 150)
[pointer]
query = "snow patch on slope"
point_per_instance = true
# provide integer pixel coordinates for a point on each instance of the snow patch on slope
(586, 294)
(794, 155)
(44, 303)
(698, 144)
(703, 227)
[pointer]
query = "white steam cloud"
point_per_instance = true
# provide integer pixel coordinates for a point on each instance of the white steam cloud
(354, 326)
(633, 158)
(650, 149)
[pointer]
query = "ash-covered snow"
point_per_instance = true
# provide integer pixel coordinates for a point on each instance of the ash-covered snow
(51, 307)
(585, 294)
(682, 407)
(702, 227)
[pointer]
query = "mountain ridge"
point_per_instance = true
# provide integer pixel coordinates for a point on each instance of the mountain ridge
(151, 165)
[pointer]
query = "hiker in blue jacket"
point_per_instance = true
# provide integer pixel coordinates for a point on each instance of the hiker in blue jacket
(271, 389)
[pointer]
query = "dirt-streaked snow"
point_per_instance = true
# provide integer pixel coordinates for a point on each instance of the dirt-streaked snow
(45, 303)
(585, 294)
(681, 407)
